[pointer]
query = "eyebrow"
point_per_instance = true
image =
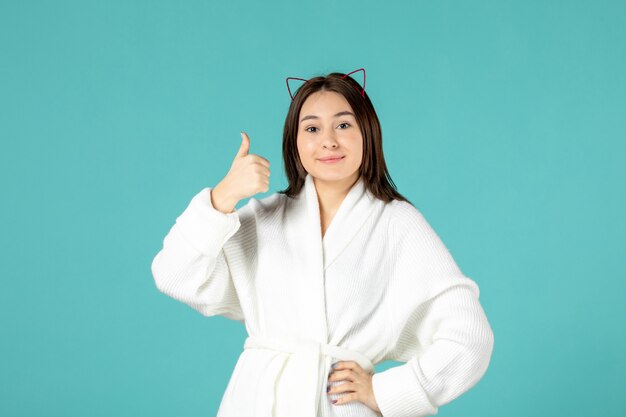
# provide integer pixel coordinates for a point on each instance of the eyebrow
(341, 113)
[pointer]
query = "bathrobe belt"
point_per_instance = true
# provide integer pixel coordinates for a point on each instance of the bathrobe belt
(305, 358)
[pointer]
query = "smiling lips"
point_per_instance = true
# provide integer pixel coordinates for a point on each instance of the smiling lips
(331, 159)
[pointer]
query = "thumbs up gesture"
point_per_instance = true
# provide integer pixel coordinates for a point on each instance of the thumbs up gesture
(249, 174)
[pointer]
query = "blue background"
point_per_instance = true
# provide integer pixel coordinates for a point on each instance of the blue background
(503, 122)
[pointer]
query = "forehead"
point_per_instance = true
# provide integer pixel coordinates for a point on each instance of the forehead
(324, 103)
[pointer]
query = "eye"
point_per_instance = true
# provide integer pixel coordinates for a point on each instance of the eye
(347, 124)
(310, 127)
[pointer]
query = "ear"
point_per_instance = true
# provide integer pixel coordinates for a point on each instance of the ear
(362, 90)
(289, 89)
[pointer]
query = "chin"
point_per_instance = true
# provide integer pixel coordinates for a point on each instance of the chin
(330, 176)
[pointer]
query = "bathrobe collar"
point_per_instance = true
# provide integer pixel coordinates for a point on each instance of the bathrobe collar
(348, 219)
(316, 254)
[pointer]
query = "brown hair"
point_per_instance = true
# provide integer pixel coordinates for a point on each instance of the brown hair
(373, 169)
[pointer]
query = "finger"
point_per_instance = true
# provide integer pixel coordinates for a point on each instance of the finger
(346, 398)
(347, 365)
(261, 167)
(259, 159)
(343, 387)
(263, 184)
(263, 170)
(245, 145)
(343, 375)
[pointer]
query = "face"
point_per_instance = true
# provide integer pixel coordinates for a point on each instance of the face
(328, 128)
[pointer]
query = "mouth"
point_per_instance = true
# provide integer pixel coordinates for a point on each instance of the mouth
(332, 159)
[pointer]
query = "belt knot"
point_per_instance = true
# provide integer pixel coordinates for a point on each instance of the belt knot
(301, 397)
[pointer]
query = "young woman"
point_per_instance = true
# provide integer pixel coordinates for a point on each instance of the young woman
(332, 275)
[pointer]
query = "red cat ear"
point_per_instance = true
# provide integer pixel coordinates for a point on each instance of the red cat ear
(289, 89)
(362, 91)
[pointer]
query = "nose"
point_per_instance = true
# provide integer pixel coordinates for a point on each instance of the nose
(330, 141)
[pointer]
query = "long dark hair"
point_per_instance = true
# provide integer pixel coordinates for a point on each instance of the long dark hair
(373, 169)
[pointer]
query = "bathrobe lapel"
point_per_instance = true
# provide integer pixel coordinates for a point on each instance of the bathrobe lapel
(312, 255)
(354, 210)
(315, 254)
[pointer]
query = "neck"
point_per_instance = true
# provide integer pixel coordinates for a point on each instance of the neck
(330, 194)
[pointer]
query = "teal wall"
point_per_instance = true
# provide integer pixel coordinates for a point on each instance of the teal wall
(503, 122)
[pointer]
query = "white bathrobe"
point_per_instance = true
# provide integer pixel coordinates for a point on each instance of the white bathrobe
(380, 285)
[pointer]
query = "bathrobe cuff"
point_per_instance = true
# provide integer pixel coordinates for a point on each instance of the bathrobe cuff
(205, 227)
(399, 394)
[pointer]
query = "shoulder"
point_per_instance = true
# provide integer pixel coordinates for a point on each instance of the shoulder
(261, 208)
(409, 227)
(404, 218)
(419, 247)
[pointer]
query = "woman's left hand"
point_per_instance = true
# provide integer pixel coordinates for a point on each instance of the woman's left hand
(358, 386)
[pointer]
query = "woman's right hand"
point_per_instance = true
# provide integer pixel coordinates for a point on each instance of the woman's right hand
(249, 174)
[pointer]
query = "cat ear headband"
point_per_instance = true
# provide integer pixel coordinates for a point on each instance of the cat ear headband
(361, 90)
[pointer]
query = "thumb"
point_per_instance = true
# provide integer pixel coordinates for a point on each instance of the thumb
(245, 145)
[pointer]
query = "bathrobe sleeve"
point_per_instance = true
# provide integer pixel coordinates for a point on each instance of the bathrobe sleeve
(440, 330)
(192, 267)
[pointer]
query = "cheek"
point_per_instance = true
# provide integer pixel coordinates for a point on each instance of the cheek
(306, 150)
(303, 153)
(299, 146)
(358, 157)
(356, 146)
